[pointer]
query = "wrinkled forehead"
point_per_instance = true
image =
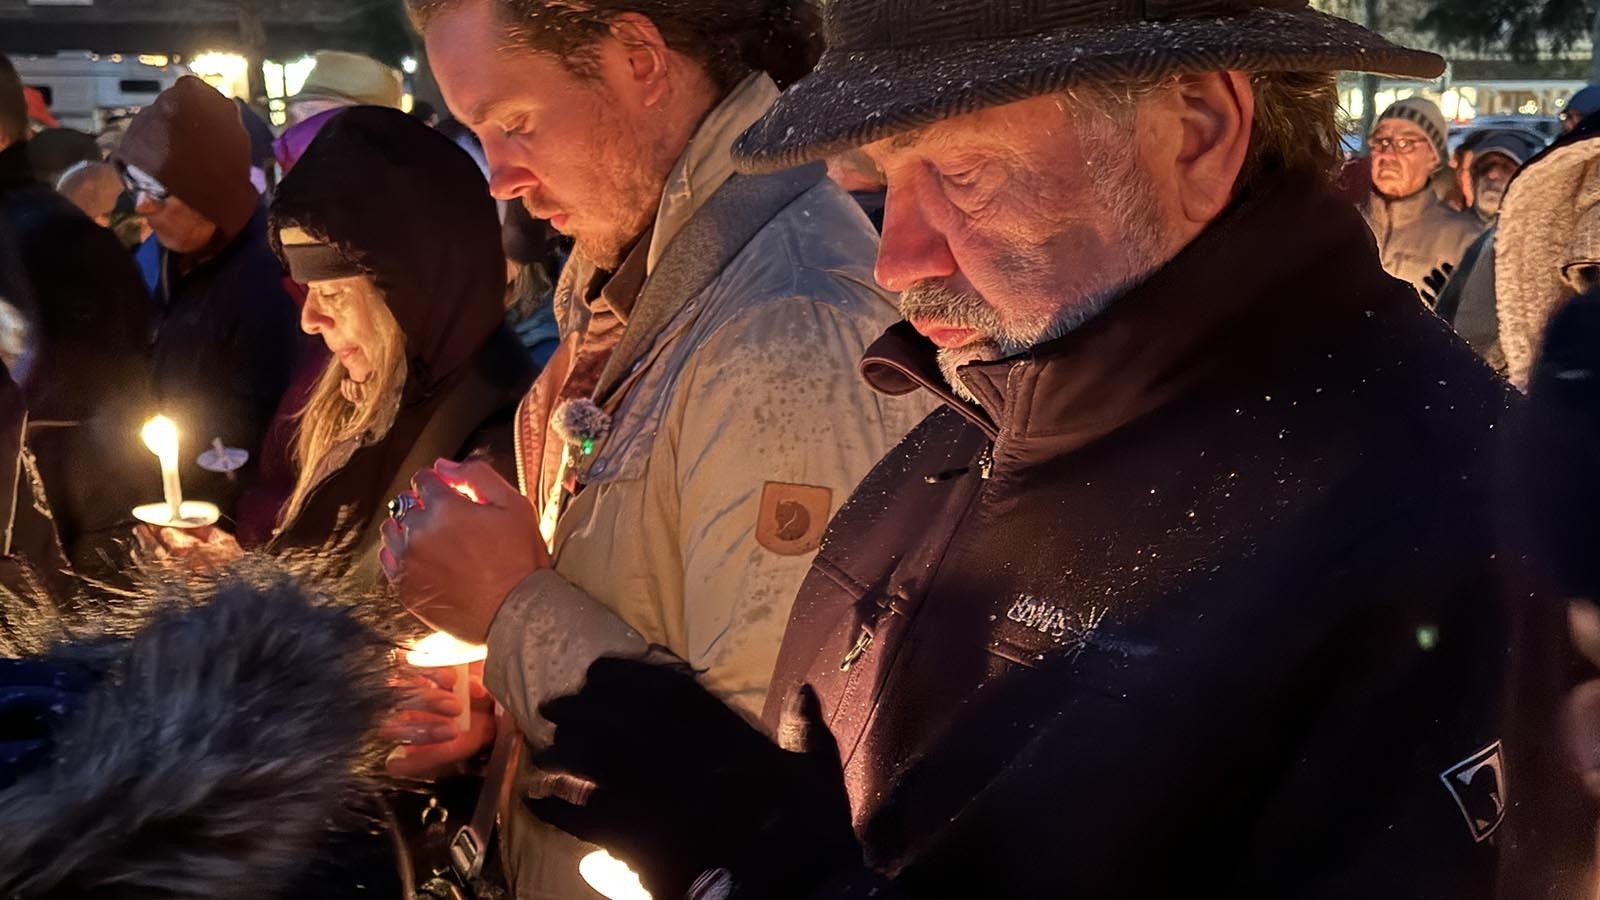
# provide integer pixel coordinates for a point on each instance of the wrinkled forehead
(1010, 128)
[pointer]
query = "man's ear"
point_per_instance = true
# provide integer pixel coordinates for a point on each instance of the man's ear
(1205, 122)
(645, 52)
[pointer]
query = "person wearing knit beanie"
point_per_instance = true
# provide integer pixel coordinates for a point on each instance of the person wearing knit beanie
(188, 157)
(1420, 237)
(1427, 118)
(226, 330)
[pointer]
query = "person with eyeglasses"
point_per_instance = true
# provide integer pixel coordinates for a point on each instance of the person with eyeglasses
(225, 334)
(1420, 237)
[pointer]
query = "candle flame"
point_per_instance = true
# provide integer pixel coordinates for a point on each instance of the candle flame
(611, 877)
(441, 649)
(161, 436)
(465, 490)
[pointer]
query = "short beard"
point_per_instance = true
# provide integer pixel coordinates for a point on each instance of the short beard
(1126, 191)
(633, 164)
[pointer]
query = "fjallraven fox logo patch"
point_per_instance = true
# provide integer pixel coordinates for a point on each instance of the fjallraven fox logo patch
(1478, 784)
(793, 517)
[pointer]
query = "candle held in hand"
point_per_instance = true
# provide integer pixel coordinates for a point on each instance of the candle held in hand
(161, 436)
(438, 650)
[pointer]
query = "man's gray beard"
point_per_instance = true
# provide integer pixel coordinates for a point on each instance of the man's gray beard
(1123, 188)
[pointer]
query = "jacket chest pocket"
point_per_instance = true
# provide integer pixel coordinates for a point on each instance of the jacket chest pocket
(1028, 630)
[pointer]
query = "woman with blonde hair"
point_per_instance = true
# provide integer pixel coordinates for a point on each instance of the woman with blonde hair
(391, 228)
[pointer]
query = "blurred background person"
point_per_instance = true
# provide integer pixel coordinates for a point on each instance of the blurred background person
(1581, 105)
(1468, 299)
(338, 80)
(1546, 244)
(55, 150)
(87, 387)
(535, 253)
(224, 330)
(1419, 235)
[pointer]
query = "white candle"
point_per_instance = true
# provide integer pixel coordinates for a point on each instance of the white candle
(438, 650)
(161, 436)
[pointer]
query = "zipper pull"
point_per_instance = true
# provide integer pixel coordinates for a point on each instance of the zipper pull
(986, 461)
(863, 641)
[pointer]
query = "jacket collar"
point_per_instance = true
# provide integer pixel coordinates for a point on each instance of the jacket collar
(705, 165)
(1157, 338)
(1405, 211)
(707, 161)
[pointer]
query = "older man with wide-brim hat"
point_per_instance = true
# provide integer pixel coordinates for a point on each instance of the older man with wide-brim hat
(1190, 586)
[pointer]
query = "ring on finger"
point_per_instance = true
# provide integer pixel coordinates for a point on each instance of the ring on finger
(401, 504)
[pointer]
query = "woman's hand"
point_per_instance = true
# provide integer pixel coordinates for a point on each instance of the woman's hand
(196, 551)
(425, 724)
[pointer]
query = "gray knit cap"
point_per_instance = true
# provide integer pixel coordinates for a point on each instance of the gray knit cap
(1425, 115)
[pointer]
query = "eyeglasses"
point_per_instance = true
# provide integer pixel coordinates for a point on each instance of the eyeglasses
(145, 185)
(1401, 146)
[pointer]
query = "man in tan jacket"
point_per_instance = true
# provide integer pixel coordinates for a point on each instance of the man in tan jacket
(703, 418)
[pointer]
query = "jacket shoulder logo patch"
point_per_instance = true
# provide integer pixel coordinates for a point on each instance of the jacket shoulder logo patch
(793, 517)
(1478, 784)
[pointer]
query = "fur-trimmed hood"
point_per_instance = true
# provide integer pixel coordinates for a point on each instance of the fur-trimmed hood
(208, 757)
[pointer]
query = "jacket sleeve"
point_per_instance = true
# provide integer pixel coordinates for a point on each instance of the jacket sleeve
(770, 432)
(771, 398)
(542, 641)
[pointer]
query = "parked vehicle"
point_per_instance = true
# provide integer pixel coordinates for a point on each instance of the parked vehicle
(86, 90)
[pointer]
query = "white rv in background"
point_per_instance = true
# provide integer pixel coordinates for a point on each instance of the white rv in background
(86, 90)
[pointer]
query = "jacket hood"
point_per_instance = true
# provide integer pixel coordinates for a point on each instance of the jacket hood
(405, 205)
(192, 141)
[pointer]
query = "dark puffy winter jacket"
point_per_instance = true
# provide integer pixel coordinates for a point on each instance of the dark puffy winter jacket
(88, 389)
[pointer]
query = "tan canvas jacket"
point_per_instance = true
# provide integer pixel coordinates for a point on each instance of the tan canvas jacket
(735, 436)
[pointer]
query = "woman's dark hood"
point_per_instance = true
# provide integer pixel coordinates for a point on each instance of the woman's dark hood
(407, 206)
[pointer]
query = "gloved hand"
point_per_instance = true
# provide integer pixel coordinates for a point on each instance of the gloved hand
(1434, 283)
(683, 785)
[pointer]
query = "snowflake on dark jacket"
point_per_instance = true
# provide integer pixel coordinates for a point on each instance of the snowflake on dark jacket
(204, 756)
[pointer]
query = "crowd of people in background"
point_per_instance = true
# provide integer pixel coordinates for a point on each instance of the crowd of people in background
(943, 455)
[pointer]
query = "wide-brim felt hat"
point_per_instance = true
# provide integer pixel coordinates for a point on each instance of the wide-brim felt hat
(895, 65)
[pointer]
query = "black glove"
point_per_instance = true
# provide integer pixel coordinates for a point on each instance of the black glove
(1434, 283)
(683, 785)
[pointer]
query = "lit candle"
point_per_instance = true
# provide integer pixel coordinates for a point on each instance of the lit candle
(438, 650)
(161, 436)
(611, 877)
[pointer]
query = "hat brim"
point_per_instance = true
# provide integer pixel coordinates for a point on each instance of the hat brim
(856, 98)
